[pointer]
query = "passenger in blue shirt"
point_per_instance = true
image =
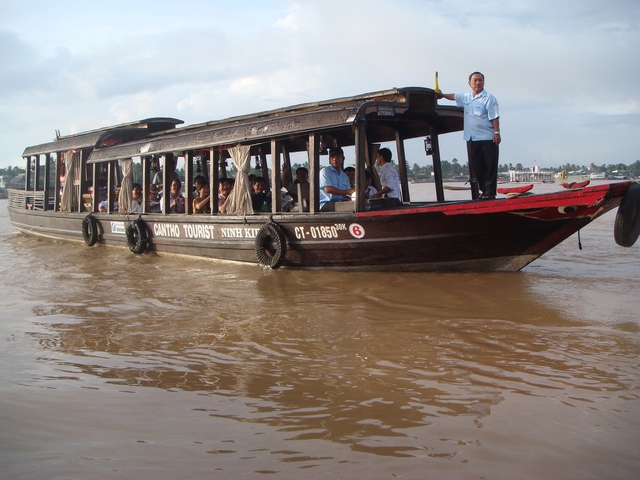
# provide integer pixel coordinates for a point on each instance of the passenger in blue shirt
(481, 131)
(334, 182)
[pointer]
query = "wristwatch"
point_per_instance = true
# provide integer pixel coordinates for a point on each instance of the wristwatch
(496, 133)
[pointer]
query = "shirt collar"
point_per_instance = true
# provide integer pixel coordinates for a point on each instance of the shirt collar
(481, 94)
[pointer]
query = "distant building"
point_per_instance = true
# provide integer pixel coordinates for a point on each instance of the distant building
(533, 175)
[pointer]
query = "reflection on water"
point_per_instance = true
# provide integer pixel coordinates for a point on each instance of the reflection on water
(353, 375)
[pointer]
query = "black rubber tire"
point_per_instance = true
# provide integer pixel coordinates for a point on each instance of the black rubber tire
(271, 245)
(137, 237)
(90, 230)
(627, 226)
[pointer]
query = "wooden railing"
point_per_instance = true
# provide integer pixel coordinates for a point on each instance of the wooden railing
(27, 200)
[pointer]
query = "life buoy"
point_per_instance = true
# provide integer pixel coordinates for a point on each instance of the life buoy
(627, 226)
(137, 238)
(89, 230)
(271, 245)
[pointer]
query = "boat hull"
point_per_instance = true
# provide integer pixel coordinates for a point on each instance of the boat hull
(498, 235)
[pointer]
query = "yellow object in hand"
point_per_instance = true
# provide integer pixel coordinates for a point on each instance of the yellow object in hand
(437, 87)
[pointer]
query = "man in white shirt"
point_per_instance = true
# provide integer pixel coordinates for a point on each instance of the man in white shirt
(176, 199)
(389, 179)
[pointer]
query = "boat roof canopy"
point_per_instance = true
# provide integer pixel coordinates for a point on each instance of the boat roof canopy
(106, 136)
(412, 111)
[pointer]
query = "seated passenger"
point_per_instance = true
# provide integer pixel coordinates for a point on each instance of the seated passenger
(302, 175)
(103, 205)
(136, 198)
(197, 182)
(202, 203)
(351, 173)
(302, 178)
(225, 187)
(369, 189)
(171, 164)
(388, 176)
(176, 199)
(260, 198)
(334, 182)
(154, 201)
(285, 176)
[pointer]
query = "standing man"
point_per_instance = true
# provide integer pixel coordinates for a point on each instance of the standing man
(482, 133)
(334, 182)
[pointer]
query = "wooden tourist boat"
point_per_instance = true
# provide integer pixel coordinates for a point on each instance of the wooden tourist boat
(504, 234)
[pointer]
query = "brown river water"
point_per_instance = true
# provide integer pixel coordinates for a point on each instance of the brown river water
(117, 366)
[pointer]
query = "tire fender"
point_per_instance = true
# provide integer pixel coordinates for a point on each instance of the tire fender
(627, 226)
(270, 245)
(89, 230)
(137, 237)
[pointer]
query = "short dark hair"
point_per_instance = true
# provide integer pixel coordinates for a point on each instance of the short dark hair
(304, 169)
(476, 73)
(336, 151)
(349, 169)
(386, 154)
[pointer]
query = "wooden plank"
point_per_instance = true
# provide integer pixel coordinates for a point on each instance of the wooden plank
(314, 171)
(146, 182)
(188, 182)
(214, 179)
(437, 166)
(276, 181)
(47, 181)
(361, 153)
(402, 166)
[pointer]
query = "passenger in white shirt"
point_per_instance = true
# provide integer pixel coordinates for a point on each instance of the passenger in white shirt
(388, 176)
(176, 200)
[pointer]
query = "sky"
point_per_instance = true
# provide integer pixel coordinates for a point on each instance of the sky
(565, 73)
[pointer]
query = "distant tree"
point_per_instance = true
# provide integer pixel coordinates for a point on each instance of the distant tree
(11, 171)
(634, 168)
(456, 168)
(137, 172)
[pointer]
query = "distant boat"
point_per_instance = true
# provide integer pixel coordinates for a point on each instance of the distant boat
(502, 234)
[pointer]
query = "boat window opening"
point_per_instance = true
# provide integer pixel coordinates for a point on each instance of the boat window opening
(180, 202)
(106, 187)
(54, 191)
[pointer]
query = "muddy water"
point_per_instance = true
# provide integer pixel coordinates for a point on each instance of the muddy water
(121, 366)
